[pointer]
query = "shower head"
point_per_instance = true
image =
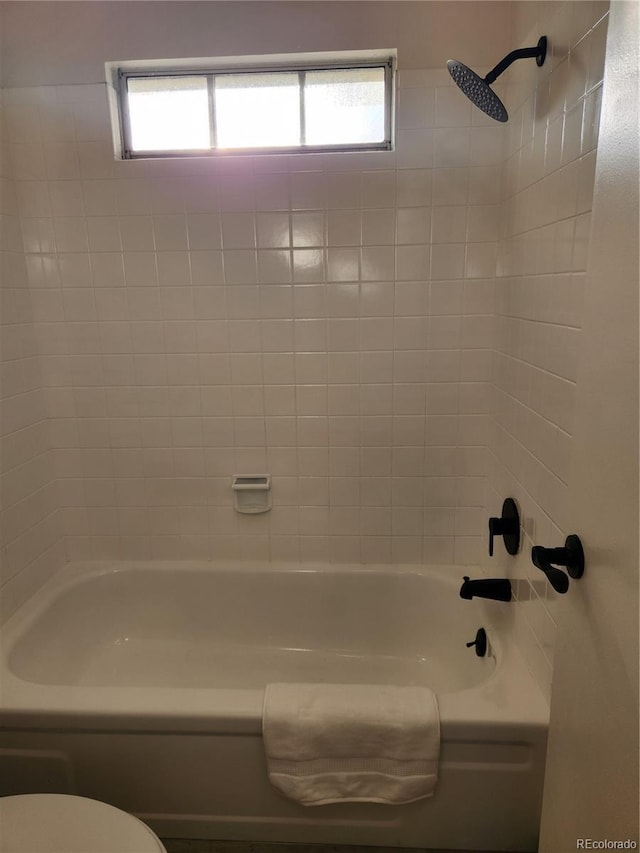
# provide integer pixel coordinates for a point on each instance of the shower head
(479, 90)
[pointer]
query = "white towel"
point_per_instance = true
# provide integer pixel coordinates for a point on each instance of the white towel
(332, 743)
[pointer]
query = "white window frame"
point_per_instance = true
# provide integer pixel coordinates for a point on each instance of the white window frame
(120, 73)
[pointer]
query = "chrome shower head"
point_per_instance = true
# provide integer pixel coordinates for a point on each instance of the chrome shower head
(479, 90)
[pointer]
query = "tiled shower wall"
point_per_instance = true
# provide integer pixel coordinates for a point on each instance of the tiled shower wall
(30, 535)
(325, 319)
(329, 320)
(547, 194)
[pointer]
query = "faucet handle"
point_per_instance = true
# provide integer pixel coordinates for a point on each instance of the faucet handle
(507, 526)
(571, 557)
(541, 559)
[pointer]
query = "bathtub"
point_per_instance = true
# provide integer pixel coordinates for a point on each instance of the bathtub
(141, 684)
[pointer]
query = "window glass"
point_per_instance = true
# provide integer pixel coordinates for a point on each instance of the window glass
(168, 113)
(344, 106)
(257, 110)
(201, 112)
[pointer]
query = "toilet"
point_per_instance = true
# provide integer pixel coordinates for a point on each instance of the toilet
(62, 823)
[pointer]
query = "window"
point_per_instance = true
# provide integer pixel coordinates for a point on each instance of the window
(306, 107)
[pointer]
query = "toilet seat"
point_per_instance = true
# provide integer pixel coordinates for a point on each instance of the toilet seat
(62, 823)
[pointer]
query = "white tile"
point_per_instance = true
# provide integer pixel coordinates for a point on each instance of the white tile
(307, 191)
(415, 148)
(413, 187)
(598, 38)
(307, 229)
(277, 336)
(412, 262)
(66, 198)
(447, 260)
(448, 224)
(96, 160)
(452, 109)
(377, 227)
(309, 301)
(346, 390)
(238, 231)
(275, 301)
(416, 107)
(343, 264)
(413, 225)
(343, 189)
(308, 265)
(377, 263)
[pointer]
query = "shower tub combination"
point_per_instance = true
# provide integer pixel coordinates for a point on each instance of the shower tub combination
(141, 684)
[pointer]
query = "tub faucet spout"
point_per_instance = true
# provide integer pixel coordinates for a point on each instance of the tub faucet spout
(497, 589)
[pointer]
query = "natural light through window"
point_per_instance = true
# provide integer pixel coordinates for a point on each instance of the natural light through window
(344, 109)
(169, 113)
(286, 109)
(257, 110)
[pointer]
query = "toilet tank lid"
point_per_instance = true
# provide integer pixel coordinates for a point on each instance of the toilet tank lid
(62, 823)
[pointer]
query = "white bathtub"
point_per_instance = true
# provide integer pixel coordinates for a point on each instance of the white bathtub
(141, 684)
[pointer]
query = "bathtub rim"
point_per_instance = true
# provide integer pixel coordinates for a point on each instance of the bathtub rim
(505, 701)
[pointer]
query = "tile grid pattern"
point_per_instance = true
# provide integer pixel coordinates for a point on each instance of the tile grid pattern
(548, 181)
(327, 319)
(30, 534)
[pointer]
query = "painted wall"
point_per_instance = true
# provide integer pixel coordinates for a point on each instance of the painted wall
(91, 33)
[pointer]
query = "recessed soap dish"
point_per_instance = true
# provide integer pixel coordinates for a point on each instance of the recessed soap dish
(252, 494)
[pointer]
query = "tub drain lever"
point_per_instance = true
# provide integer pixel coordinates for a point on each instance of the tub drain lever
(480, 643)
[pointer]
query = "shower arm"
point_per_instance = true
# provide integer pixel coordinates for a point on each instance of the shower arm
(538, 52)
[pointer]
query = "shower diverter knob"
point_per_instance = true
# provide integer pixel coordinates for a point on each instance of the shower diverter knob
(507, 526)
